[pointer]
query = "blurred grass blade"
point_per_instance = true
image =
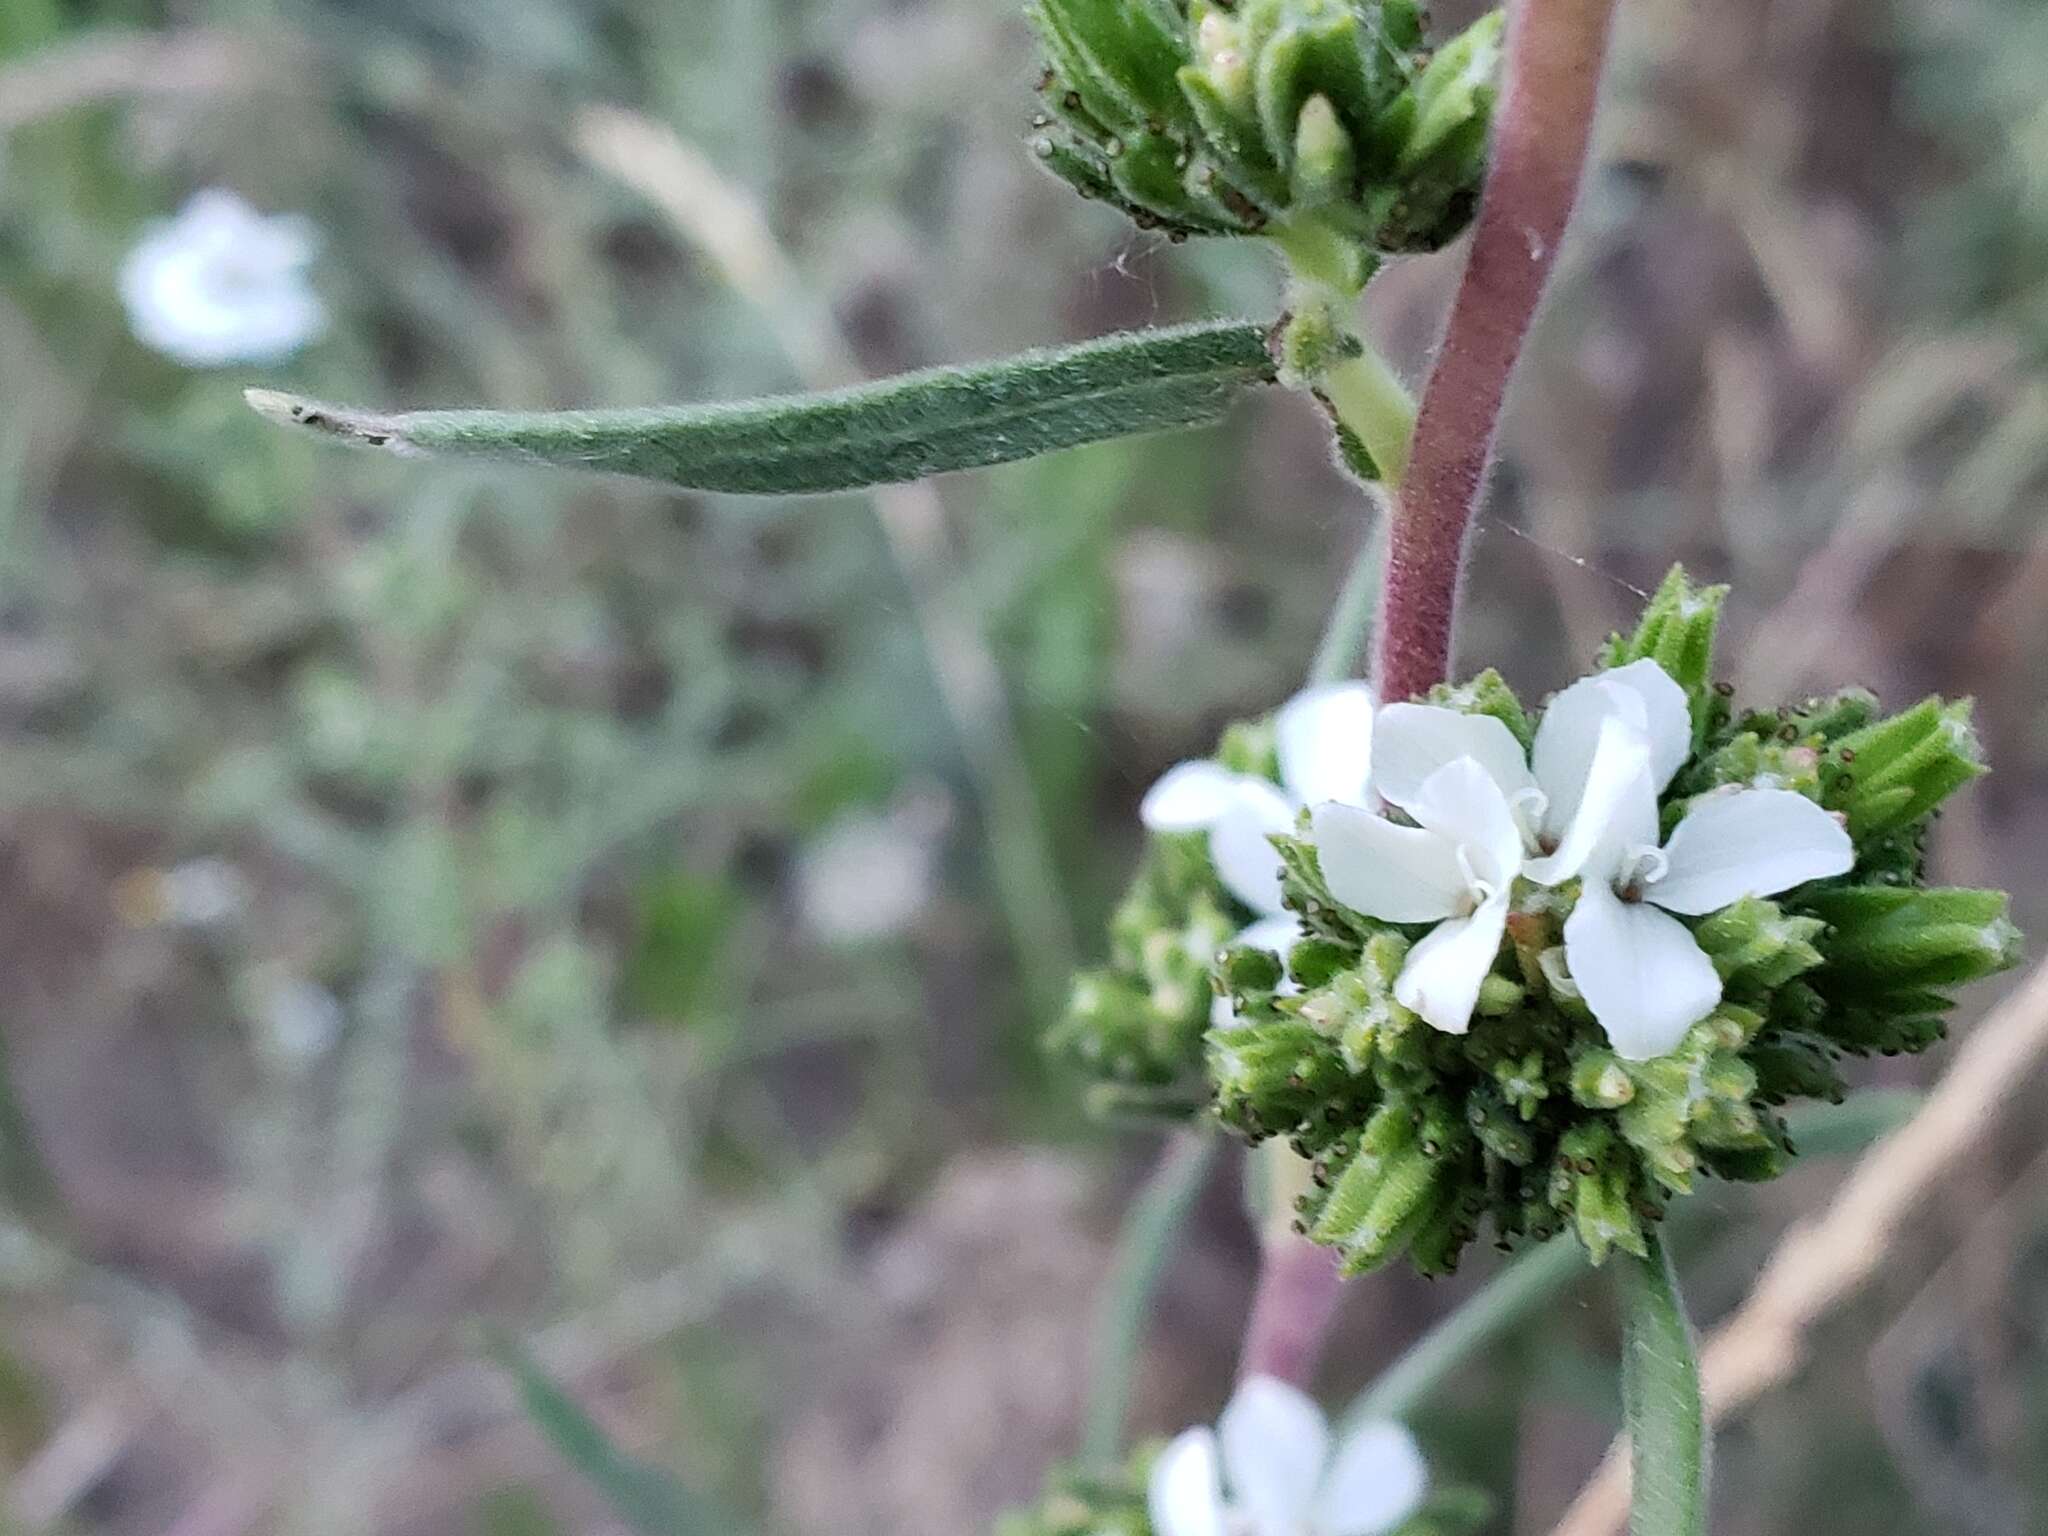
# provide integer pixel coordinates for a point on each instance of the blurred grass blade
(1660, 1392)
(871, 434)
(1492, 1312)
(1525, 1287)
(1150, 1231)
(644, 1497)
(1836, 1130)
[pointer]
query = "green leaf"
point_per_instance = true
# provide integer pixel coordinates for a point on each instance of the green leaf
(873, 434)
(644, 1497)
(1660, 1390)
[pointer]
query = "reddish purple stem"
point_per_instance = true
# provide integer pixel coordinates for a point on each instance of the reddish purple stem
(1541, 130)
(1292, 1311)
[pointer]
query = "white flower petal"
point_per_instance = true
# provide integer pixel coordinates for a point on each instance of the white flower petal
(1616, 813)
(1275, 1442)
(1640, 694)
(1324, 737)
(1641, 972)
(1441, 977)
(1413, 741)
(1755, 842)
(1186, 1491)
(1463, 803)
(1239, 845)
(1189, 797)
(1396, 874)
(1377, 1480)
(1667, 715)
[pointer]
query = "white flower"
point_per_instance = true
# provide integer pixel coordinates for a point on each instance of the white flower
(1272, 1447)
(222, 283)
(1324, 742)
(1585, 806)
(1456, 867)
(1639, 969)
(869, 877)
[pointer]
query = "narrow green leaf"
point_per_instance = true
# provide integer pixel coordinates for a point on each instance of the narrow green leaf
(644, 1497)
(1150, 1230)
(873, 434)
(1661, 1402)
(1503, 1304)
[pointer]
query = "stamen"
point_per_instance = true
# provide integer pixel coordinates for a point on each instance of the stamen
(1537, 802)
(1482, 889)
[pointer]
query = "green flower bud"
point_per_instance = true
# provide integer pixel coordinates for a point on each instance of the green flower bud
(1893, 773)
(1600, 1080)
(1314, 120)
(1487, 694)
(1384, 1193)
(1677, 631)
(1887, 939)
(1757, 947)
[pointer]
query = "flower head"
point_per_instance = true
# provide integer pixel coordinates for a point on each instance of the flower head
(1552, 975)
(222, 283)
(1323, 741)
(1582, 806)
(1269, 1469)
(1639, 969)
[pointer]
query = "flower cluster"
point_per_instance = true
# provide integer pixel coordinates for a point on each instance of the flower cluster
(1270, 1467)
(1209, 881)
(1325, 120)
(1551, 971)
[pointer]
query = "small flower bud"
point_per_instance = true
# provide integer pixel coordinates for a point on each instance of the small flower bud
(1301, 117)
(1599, 1081)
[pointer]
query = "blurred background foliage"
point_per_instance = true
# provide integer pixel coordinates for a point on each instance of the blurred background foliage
(439, 896)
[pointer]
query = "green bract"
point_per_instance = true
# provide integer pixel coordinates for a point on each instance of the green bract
(1080, 1503)
(1531, 1122)
(1134, 1027)
(1322, 122)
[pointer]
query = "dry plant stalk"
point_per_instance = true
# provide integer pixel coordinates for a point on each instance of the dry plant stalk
(187, 61)
(1822, 1261)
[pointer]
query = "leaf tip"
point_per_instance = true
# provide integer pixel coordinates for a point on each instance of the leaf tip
(350, 426)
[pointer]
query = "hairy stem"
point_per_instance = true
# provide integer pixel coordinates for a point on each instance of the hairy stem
(1541, 132)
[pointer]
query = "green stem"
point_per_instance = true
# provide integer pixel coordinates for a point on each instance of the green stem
(1660, 1389)
(1319, 255)
(1368, 397)
(1350, 621)
(1153, 1221)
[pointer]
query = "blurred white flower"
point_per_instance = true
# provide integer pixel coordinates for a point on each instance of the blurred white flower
(869, 877)
(202, 892)
(222, 283)
(1324, 741)
(297, 1021)
(1268, 1469)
